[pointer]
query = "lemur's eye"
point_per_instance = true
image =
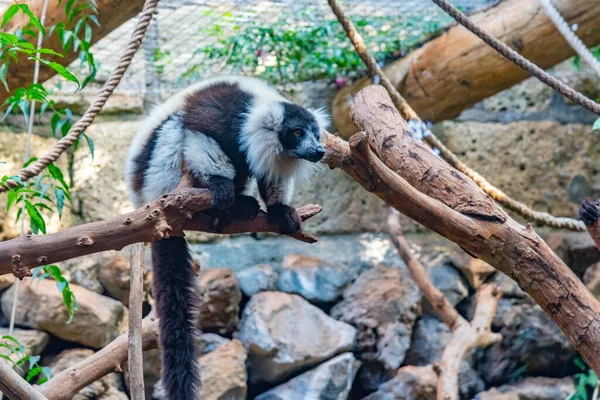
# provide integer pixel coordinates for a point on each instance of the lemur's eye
(298, 133)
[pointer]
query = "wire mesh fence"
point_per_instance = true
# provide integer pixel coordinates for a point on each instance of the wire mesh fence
(278, 40)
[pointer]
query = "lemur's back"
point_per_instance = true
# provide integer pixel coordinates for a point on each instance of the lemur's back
(207, 116)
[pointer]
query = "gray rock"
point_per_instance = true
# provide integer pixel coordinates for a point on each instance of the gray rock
(313, 278)
(450, 282)
(220, 298)
(576, 249)
(383, 304)
(526, 330)
(110, 387)
(114, 277)
(284, 333)
(97, 322)
(331, 380)
(539, 388)
(222, 373)
(410, 383)
(260, 278)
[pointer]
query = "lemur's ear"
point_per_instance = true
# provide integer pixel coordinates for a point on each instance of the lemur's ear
(322, 117)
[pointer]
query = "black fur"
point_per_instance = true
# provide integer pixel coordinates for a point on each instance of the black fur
(589, 211)
(174, 292)
(223, 192)
(245, 207)
(285, 217)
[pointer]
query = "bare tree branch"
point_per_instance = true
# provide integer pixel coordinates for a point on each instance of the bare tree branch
(166, 216)
(465, 336)
(136, 300)
(70, 381)
(514, 249)
(14, 387)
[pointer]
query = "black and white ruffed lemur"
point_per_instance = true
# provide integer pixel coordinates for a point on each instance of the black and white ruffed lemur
(226, 131)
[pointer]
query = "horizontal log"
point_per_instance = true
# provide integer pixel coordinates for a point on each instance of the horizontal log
(456, 70)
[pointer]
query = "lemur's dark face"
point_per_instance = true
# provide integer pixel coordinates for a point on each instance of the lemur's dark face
(300, 133)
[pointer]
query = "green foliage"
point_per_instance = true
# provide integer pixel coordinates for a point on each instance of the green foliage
(19, 352)
(586, 381)
(62, 284)
(290, 51)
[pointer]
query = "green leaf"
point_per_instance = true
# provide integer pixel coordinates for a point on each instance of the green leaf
(60, 200)
(33, 373)
(9, 14)
(3, 71)
(58, 175)
(36, 218)
(31, 160)
(596, 126)
(69, 6)
(32, 18)
(12, 196)
(90, 143)
(12, 339)
(62, 71)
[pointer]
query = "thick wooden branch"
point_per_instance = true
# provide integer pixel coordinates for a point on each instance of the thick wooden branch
(514, 249)
(456, 70)
(14, 387)
(166, 216)
(70, 381)
(111, 14)
(465, 336)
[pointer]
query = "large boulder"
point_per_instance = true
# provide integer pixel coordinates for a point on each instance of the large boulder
(259, 278)
(450, 282)
(110, 387)
(314, 279)
(222, 373)
(220, 298)
(331, 380)
(96, 323)
(115, 278)
(284, 333)
(383, 304)
(539, 388)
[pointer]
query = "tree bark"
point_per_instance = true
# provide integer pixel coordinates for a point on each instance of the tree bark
(14, 387)
(111, 14)
(510, 247)
(136, 299)
(70, 381)
(457, 70)
(168, 215)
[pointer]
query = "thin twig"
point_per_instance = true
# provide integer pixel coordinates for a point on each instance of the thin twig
(136, 299)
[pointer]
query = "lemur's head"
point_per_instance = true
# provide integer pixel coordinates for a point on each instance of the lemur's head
(300, 132)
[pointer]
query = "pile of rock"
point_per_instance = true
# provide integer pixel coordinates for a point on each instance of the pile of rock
(308, 328)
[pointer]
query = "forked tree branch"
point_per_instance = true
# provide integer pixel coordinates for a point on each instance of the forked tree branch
(70, 381)
(413, 180)
(465, 336)
(166, 216)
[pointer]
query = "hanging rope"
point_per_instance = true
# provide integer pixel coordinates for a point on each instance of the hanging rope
(570, 36)
(88, 117)
(518, 59)
(421, 130)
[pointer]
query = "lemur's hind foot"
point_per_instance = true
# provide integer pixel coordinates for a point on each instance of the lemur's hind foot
(244, 207)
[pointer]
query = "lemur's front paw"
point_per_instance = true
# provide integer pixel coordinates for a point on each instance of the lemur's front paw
(246, 207)
(285, 217)
(223, 192)
(589, 211)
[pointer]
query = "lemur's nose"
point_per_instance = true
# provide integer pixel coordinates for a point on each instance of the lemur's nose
(319, 153)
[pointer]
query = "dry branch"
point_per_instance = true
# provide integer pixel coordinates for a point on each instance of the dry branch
(70, 381)
(456, 70)
(166, 216)
(512, 248)
(14, 387)
(465, 336)
(136, 299)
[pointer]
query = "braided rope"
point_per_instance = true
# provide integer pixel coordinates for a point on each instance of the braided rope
(94, 109)
(421, 130)
(570, 36)
(518, 59)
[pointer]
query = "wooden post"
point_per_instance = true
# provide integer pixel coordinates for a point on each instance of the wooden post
(136, 299)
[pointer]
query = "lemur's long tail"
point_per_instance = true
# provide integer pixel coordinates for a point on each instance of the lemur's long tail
(174, 283)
